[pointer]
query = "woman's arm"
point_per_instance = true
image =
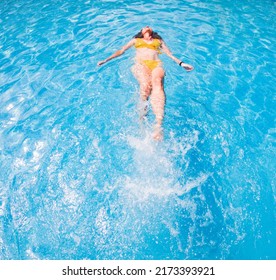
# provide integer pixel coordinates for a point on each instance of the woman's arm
(118, 53)
(166, 50)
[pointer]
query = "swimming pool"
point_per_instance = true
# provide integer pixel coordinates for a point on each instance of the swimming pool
(81, 179)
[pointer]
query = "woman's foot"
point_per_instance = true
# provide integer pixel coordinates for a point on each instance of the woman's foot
(158, 133)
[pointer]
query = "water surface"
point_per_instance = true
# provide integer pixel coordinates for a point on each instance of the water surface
(81, 179)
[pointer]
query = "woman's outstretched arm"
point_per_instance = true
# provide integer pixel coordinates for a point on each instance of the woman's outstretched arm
(118, 53)
(166, 50)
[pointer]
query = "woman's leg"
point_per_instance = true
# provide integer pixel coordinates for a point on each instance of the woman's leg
(143, 76)
(158, 95)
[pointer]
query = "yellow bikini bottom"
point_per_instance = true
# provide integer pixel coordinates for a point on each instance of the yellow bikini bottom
(151, 64)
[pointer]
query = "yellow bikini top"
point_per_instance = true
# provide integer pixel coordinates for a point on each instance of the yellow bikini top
(154, 45)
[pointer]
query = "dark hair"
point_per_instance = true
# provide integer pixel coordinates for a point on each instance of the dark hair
(154, 35)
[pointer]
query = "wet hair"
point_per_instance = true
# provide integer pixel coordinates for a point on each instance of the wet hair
(154, 35)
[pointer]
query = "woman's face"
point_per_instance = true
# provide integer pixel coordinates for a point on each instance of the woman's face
(145, 30)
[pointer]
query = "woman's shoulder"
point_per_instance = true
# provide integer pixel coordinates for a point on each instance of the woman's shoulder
(157, 41)
(138, 41)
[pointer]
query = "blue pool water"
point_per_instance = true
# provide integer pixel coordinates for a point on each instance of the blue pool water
(81, 179)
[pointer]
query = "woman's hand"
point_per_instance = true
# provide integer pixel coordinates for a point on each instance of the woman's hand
(187, 67)
(101, 62)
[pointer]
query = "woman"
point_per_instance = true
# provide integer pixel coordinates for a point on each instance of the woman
(149, 72)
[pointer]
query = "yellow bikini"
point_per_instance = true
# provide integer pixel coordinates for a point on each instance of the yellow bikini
(151, 64)
(154, 45)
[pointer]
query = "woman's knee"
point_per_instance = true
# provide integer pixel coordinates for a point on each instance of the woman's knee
(157, 78)
(157, 81)
(145, 89)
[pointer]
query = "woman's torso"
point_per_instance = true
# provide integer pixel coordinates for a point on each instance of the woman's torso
(147, 50)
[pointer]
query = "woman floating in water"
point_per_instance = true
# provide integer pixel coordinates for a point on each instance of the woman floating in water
(149, 72)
